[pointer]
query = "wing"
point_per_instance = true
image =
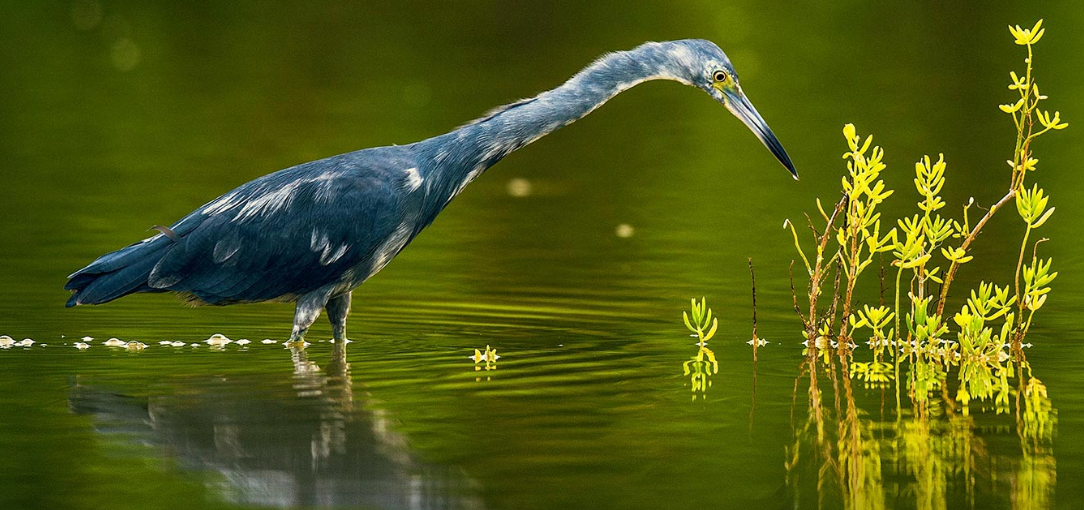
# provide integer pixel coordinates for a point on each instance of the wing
(292, 232)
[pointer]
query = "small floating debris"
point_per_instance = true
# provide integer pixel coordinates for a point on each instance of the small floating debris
(624, 230)
(178, 344)
(115, 342)
(218, 340)
(267, 341)
(757, 342)
(244, 341)
(489, 356)
(135, 346)
(26, 342)
(6, 342)
(821, 342)
(82, 346)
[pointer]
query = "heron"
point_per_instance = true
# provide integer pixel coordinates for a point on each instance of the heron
(310, 234)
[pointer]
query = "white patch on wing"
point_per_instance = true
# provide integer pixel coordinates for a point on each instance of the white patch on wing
(329, 257)
(224, 249)
(156, 280)
(413, 179)
(222, 203)
(264, 201)
(269, 203)
(390, 247)
(320, 243)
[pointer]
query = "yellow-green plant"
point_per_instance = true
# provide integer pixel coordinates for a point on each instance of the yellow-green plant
(994, 319)
(860, 236)
(1031, 204)
(702, 322)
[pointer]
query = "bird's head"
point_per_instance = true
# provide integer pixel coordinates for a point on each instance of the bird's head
(703, 65)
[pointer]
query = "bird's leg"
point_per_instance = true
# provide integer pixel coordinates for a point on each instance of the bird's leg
(338, 308)
(308, 309)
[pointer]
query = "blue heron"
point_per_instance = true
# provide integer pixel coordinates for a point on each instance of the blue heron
(311, 233)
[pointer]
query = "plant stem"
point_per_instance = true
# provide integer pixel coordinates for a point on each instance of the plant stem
(967, 242)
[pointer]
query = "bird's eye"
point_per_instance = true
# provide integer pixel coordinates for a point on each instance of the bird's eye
(719, 76)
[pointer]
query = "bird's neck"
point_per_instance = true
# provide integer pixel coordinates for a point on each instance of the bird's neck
(461, 155)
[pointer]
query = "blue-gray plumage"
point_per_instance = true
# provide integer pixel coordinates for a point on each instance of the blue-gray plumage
(314, 232)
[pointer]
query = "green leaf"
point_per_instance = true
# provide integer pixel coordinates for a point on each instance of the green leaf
(1038, 223)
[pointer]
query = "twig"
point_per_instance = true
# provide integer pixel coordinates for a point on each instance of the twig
(967, 242)
(753, 279)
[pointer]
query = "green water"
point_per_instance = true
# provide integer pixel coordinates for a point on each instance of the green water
(115, 116)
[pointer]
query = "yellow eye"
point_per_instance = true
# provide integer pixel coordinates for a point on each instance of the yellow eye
(720, 76)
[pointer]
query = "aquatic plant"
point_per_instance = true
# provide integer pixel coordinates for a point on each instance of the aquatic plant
(703, 365)
(993, 321)
(702, 323)
(486, 359)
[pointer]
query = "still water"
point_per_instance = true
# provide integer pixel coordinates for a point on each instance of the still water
(573, 259)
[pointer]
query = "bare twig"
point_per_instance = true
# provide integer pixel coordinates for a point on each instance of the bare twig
(753, 279)
(967, 242)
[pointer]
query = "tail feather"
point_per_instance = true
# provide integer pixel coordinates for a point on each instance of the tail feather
(117, 274)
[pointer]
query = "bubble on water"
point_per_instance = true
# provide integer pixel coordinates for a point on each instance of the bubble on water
(87, 339)
(624, 230)
(82, 346)
(115, 342)
(178, 344)
(244, 341)
(267, 341)
(6, 342)
(135, 346)
(165, 342)
(26, 342)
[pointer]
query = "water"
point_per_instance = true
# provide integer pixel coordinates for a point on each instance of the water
(118, 116)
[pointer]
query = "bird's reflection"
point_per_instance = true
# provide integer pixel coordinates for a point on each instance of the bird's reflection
(872, 455)
(314, 443)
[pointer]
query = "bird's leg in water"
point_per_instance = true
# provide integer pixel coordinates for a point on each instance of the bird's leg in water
(308, 310)
(338, 308)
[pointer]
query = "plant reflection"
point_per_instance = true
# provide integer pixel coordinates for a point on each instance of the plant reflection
(699, 370)
(312, 442)
(867, 453)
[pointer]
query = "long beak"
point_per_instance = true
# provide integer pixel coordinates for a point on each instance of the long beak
(740, 106)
